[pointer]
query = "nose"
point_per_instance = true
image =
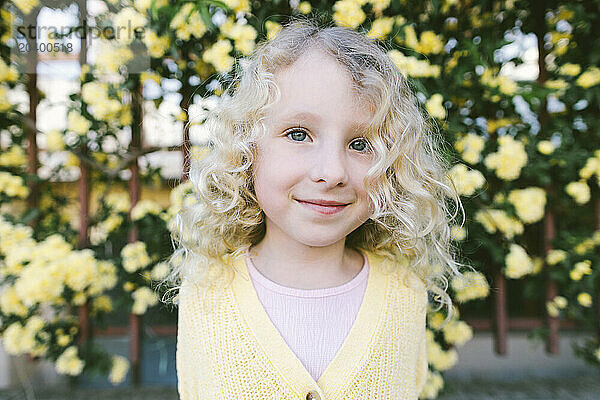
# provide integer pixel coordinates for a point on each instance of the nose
(329, 166)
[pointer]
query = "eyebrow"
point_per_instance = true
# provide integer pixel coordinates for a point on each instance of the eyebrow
(288, 118)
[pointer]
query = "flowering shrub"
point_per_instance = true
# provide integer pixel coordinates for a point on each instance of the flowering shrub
(41, 285)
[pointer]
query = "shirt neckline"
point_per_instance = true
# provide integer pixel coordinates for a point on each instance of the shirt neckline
(337, 374)
(273, 286)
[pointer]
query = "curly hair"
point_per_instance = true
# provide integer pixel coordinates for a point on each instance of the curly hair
(413, 200)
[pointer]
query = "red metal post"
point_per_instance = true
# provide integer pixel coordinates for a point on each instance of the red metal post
(598, 292)
(552, 344)
(500, 322)
(185, 145)
(134, 194)
(85, 332)
(31, 122)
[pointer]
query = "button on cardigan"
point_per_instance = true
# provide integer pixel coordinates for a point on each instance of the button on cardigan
(228, 348)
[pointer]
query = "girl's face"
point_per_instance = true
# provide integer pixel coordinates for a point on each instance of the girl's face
(309, 170)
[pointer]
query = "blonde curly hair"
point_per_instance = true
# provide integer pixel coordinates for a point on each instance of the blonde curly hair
(408, 187)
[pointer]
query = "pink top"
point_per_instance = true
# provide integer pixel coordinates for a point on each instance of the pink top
(313, 322)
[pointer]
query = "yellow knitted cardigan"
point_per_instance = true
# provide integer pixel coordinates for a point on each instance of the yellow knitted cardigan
(230, 349)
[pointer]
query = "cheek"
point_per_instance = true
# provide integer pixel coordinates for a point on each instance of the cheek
(361, 190)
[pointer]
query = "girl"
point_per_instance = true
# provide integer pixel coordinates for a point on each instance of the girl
(303, 270)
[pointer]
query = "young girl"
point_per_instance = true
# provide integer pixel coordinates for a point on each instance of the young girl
(304, 268)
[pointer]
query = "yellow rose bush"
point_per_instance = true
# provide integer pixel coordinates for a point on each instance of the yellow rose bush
(141, 265)
(41, 285)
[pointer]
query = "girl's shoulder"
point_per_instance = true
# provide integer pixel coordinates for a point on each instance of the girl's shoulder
(399, 271)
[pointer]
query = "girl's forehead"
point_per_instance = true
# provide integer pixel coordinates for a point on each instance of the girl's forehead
(316, 83)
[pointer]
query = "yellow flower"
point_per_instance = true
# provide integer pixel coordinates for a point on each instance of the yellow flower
(10, 303)
(143, 298)
(26, 5)
(102, 304)
(556, 84)
(581, 268)
(552, 309)
(8, 73)
(503, 83)
(12, 339)
(145, 75)
(434, 106)
(134, 256)
(77, 123)
(555, 256)
(218, 56)
(465, 181)
(160, 271)
(457, 333)
(379, 5)
(584, 299)
(579, 191)
(79, 299)
(589, 78)
(118, 201)
(125, 22)
(63, 340)
(497, 220)
(435, 320)
(518, 263)
(14, 157)
(157, 46)
(508, 160)
(13, 185)
(54, 141)
(596, 237)
(142, 5)
(430, 43)
(458, 233)
(545, 147)
(410, 66)
(238, 5)
(570, 69)
(348, 13)
(560, 302)
(273, 29)
(472, 285)
(68, 362)
(592, 166)
(470, 147)
(381, 27)
(5, 105)
(529, 203)
(243, 35)
(538, 263)
(433, 385)
(119, 369)
(143, 208)
(304, 7)
(440, 360)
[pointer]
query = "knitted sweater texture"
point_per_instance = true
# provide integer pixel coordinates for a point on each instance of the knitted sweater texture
(228, 348)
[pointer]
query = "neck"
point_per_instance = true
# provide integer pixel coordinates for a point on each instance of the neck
(294, 264)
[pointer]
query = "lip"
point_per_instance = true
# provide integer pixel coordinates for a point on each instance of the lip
(326, 207)
(324, 202)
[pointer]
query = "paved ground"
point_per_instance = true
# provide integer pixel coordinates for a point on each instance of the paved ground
(581, 388)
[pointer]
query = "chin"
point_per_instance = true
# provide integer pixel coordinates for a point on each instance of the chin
(313, 239)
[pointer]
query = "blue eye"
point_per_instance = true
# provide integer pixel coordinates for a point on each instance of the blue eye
(363, 145)
(297, 135)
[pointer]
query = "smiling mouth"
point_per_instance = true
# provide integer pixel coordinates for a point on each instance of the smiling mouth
(322, 208)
